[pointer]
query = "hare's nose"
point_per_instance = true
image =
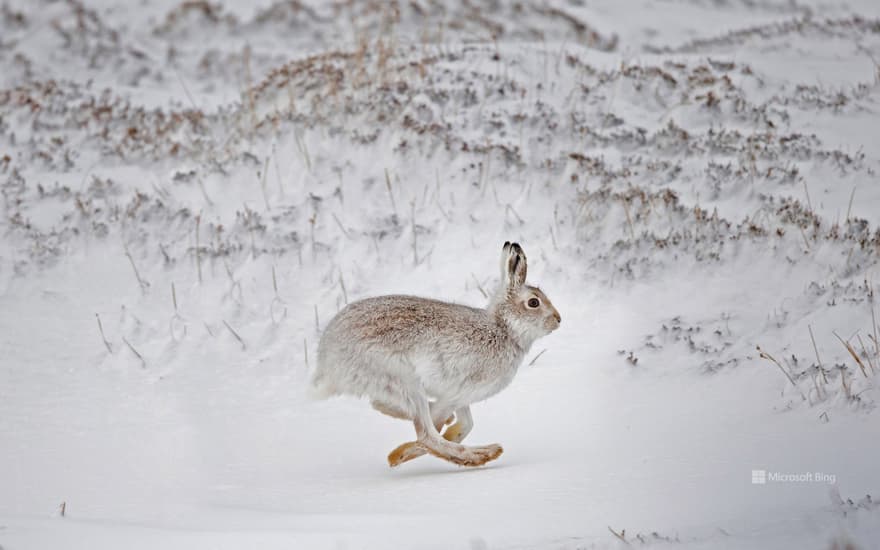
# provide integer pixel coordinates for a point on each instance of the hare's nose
(557, 317)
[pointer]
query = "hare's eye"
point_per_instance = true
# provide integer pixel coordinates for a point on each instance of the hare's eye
(533, 303)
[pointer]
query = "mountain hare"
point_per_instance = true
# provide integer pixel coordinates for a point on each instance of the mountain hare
(427, 361)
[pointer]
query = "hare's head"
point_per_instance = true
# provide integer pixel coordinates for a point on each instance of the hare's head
(526, 309)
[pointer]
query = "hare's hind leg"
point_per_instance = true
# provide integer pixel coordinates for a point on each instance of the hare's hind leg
(456, 432)
(441, 415)
(390, 410)
(429, 441)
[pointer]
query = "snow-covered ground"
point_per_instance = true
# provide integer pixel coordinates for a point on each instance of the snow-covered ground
(191, 191)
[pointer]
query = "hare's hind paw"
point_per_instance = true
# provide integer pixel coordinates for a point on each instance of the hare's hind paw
(405, 452)
(468, 456)
(477, 456)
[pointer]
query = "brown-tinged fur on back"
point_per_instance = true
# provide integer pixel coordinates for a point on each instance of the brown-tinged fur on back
(450, 348)
(399, 322)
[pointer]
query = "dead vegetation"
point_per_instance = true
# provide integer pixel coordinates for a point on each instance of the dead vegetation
(851, 380)
(478, 87)
(821, 28)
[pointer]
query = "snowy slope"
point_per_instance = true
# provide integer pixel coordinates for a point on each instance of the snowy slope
(191, 191)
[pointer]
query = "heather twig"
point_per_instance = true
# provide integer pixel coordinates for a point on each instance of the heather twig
(103, 337)
(144, 285)
(136, 352)
(234, 333)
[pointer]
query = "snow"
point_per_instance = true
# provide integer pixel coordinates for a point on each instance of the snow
(690, 180)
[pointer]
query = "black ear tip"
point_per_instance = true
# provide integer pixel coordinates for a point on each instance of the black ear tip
(517, 248)
(506, 244)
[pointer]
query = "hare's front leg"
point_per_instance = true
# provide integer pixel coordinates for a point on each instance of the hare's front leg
(464, 423)
(430, 441)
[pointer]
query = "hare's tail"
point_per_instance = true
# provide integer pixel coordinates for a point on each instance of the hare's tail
(320, 388)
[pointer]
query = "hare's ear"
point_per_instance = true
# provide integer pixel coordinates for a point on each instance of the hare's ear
(513, 266)
(505, 253)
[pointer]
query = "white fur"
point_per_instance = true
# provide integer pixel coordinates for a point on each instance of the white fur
(424, 359)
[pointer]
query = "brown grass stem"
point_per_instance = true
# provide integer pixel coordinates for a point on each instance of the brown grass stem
(767, 356)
